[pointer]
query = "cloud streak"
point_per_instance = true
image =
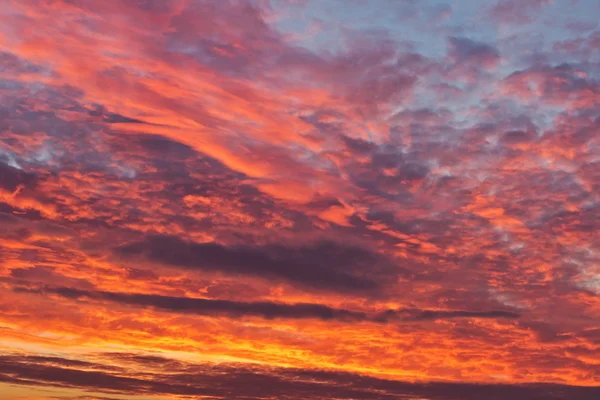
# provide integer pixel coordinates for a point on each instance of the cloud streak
(219, 381)
(268, 310)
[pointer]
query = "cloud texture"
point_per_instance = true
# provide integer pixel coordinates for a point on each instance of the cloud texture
(310, 199)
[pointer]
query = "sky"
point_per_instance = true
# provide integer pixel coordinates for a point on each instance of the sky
(299, 199)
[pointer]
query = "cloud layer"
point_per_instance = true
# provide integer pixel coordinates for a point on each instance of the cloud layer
(299, 199)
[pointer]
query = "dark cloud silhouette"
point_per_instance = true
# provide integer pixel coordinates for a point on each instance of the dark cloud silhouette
(268, 310)
(11, 178)
(217, 308)
(22, 213)
(425, 315)
(113, 118)
(325, 265)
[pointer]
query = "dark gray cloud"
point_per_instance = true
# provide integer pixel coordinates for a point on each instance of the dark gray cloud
(426, 315)
(28, 214)
(11, 178)
(324, 265)
(268, 310)
(210, 307)
(113, 118)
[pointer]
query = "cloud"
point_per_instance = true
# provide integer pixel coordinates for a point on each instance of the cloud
(414, 200)
(12, 178)
(225, 380)
(517, 11)
(267, 310)
(465, 50)
(324, 265)
(561, 85)
(424, 315)
(216, 308)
